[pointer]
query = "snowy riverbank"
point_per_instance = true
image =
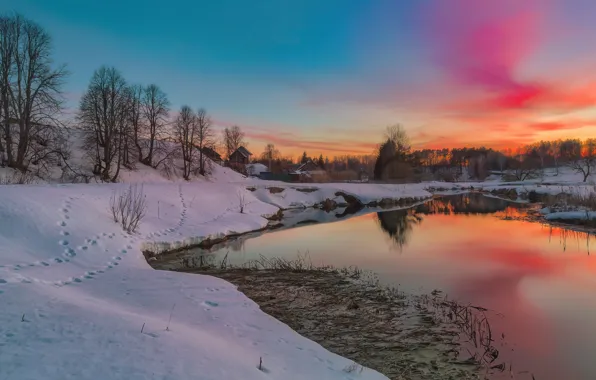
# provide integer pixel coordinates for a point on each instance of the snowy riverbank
(80, 301)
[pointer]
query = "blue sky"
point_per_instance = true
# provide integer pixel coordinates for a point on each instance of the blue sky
(322, 76)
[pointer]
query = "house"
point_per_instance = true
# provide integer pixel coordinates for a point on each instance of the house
(213, 155)
(311, 172)
(240, 156)
(308, 166)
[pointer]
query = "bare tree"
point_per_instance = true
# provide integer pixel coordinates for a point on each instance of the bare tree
(233, 138)
(104, 114)
(542, 149)
(205, 138)
(270, 153)
(555, 151)
(502, 161)
(525, 167)
(136, 124)
(185, 130)
(397, 134)
(30, 91)
(586, 159)
(155, 109)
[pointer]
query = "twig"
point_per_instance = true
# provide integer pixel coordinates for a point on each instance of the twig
(172, 311)
(142, 328)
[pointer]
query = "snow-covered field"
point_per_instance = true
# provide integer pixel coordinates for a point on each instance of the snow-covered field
(79, 300)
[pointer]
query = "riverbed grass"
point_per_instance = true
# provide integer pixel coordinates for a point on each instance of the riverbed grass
(571, 199)
(470, 324)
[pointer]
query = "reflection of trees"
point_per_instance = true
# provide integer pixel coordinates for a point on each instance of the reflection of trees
(471, 203)
(399, 225)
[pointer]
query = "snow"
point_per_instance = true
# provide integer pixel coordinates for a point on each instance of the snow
(86, 290)
(571, 215)
(256, 169)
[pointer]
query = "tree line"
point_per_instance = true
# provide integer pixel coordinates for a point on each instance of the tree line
(397, 161)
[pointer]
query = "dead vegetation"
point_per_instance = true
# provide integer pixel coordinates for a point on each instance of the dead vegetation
(349, 312)
(128, 207)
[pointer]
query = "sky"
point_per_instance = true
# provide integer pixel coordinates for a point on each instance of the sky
(329, 76)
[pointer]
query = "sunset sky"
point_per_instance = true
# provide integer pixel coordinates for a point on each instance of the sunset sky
(328, 76)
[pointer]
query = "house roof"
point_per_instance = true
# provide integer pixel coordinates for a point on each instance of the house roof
(243, 151)
(304, 165)
(211, 153)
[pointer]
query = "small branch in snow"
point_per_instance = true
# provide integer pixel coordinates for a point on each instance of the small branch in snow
(171, 312)
(142, 328)
(23, 318)
(260, 363)
(241, 201)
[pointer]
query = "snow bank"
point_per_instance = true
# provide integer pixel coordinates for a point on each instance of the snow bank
(308, 195)
(571, 215)
(80, 301)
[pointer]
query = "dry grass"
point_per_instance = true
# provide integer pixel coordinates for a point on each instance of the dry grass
(17, 178)
(128, 207)
(571, 199)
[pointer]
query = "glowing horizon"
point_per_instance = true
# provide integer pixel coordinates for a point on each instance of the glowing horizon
(327, 78)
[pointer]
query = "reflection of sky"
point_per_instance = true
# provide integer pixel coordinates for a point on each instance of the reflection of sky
(545, 293)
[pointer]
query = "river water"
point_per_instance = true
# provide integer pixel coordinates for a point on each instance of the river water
(539, 282)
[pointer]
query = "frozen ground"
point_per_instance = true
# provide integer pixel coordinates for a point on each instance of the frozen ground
(79, 301)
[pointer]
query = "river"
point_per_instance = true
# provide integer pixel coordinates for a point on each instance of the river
(539, 281)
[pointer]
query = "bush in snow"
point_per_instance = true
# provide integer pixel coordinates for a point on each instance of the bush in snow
(128, 207)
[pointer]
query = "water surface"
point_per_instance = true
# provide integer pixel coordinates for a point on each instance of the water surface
(541, 279)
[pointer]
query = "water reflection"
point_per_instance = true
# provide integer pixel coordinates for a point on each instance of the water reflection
(399, 224)
(540, 278)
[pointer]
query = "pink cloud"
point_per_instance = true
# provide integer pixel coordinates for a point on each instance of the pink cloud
(481, 43)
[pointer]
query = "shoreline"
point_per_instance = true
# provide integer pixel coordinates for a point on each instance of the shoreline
(353, 207)
(346, 311)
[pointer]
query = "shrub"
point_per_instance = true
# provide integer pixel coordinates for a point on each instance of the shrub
(128, 207)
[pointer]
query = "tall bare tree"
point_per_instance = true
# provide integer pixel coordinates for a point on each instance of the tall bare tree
(155, 108)
(136, 122)
(30, 91)
(205, 138)
(104, 114)
(270, 153)
(185, 132)
(233, 138)
(585, 161)
(397, 134)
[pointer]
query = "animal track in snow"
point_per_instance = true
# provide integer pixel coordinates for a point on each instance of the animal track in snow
(63, 242)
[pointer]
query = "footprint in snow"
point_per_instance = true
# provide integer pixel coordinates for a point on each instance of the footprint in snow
(65, 210)
(83, 247)
(64, 233)
(62, 224)
(69, 252)
(3, 281)
(58, 260)
(211, 303)
(63, 242)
